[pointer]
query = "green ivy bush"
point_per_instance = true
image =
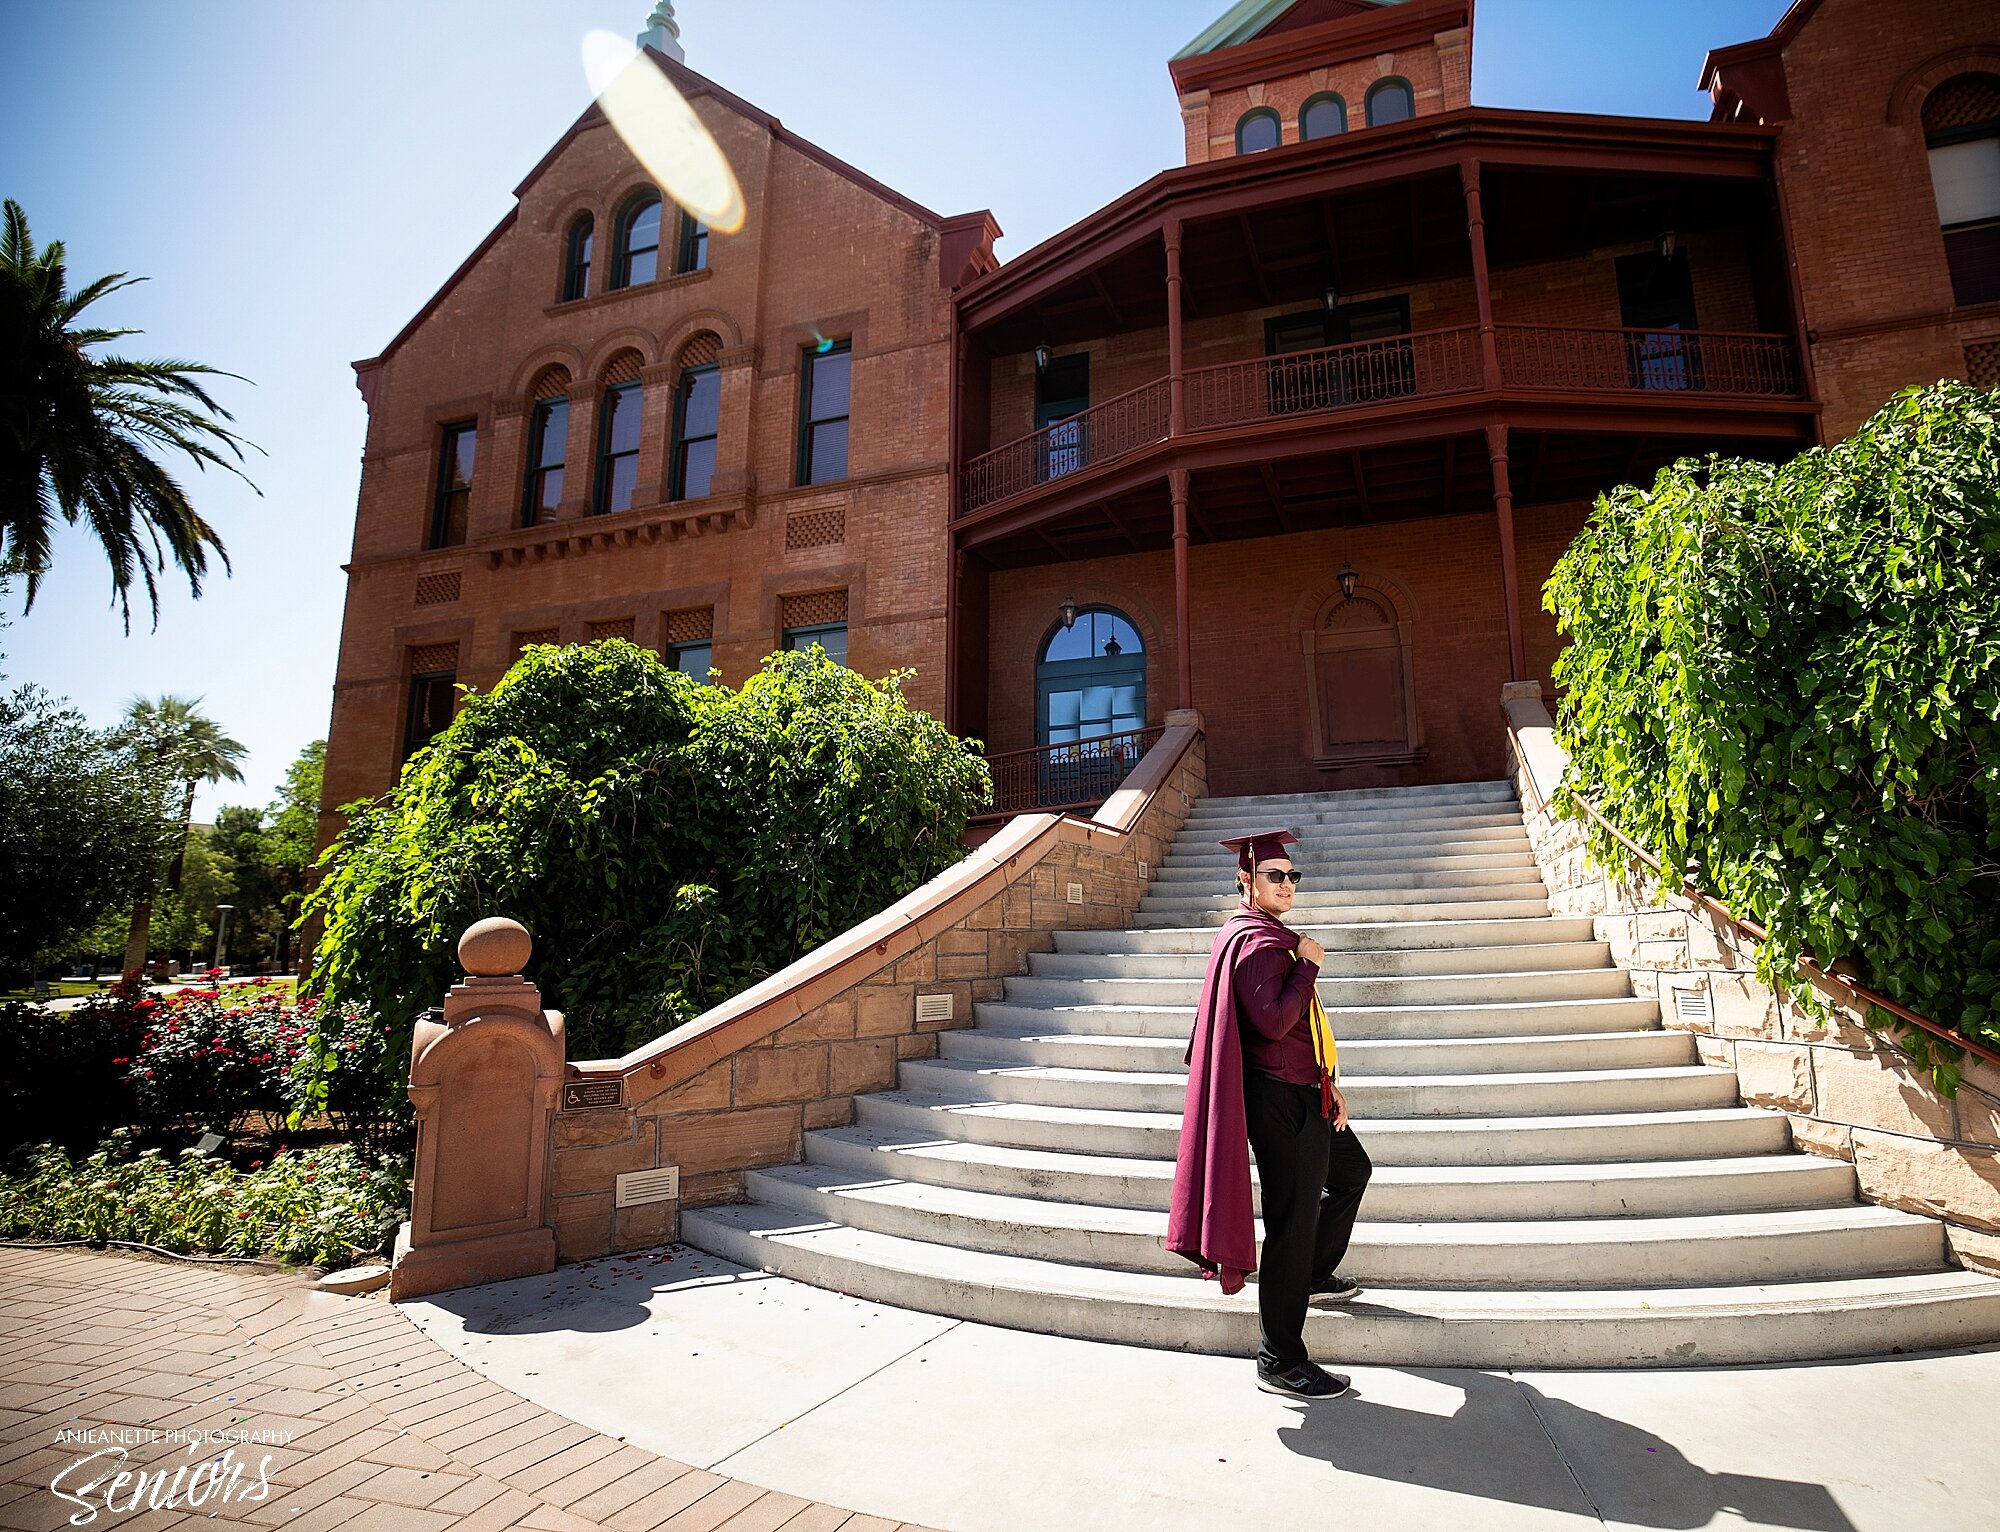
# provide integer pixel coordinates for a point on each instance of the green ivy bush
(1784, 682)
(324, 1206)
(668, 843)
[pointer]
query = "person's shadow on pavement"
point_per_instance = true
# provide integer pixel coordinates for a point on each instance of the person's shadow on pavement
(1629, 1476)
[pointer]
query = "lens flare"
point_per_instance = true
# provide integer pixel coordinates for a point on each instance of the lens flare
(662, 131)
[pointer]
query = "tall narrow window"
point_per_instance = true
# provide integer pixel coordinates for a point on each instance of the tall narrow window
(694, 244)
(690, 641)
(618, 449)
(697, 417)
(823, 413)
(433, 693)
(548, 445)
(638, 241)
(1962, 133)
(576, 264)
(1323, 117)
(1257, 129)
(1390, 101)
(454, 486)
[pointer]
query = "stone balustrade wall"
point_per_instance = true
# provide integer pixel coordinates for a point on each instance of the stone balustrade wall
(1849, 1093)
(740, 1087)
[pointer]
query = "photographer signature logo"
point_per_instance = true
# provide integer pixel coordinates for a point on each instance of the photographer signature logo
(109, 1482)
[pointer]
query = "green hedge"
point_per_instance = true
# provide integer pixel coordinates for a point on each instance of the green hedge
(1784, 682)
(667, 843)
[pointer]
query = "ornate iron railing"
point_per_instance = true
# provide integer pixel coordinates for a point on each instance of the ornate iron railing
(1573, 357)
(1335, 377)
(1080, 774)
(1096, 435)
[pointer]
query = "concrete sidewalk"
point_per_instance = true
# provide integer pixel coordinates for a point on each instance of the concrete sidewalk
(360, 1421)
(979, 1430)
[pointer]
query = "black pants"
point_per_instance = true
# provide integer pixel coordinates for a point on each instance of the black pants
(1312, 1179)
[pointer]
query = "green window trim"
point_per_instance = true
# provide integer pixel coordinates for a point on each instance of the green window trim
(1259, 114)
(1383, 87)
(1322, 98)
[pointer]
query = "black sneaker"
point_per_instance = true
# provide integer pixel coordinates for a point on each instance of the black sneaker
(1304, 1380)
(1335, 1289)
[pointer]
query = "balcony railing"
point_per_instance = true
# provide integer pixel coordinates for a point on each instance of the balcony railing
(1335, 377)
(1098, 434)
(1080, 774)
(1571, 357)
(1423, 365)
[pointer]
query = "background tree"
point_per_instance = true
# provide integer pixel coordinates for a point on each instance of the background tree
(77, 431)
(83, 826)
(171, 734)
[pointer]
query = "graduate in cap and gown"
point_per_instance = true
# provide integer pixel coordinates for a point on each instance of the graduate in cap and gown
(1263, 1080)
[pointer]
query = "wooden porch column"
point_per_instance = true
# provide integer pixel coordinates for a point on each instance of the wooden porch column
(1176, 386)
(1177, 481)
(1503, 507)
(1475, 231)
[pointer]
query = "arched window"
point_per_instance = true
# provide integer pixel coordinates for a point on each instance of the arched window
(1358, 684)
(1257, 129)
(1091, 679)
(1390, 101)
(638, 258)
(697, 420)
(618, 417)
(1962, 133)
(576, 260)
(548, 448)
(1323, 116)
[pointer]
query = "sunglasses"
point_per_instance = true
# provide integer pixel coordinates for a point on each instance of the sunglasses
(1280, 875)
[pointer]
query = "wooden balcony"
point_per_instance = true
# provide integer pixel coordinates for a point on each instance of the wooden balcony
(1414, 369)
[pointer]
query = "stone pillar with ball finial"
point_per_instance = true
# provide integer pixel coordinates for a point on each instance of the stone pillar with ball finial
(485, 1069)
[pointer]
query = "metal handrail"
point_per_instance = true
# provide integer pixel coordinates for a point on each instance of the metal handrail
(1421, 364)
(1660, 360)
(1105, 431)
(1075, 774)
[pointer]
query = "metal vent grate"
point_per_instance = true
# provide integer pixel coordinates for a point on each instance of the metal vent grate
(1691, 1006)
(1074, 893)
(934, 1008)
(662, 1185)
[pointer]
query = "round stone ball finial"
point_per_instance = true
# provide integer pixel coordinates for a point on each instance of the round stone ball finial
(495, 948)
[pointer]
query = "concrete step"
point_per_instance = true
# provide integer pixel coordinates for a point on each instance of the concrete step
(1339, 992)
(1201, 829)
(1419, 935)
(1358, 1060)
(1703, 1249)
(1309, 901)
(1544, 958)
(1483, 1095)
(1335, 872)
(1442, 792)
(1710, 1133)
(1496, 1019)
(1460, 873)
(1194, 849)
(1619, 1327)
(1397, 1194)
(1442, 904)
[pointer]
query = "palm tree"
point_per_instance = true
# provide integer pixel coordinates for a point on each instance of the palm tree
(77, 431)
(171, 733)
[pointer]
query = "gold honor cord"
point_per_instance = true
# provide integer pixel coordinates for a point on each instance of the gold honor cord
(1326, 1052)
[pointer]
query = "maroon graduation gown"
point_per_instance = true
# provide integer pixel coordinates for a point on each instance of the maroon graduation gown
(1213, 1221)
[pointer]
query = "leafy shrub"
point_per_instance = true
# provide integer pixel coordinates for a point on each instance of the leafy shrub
(1784, 682)
(666, 842)
(324, 1206)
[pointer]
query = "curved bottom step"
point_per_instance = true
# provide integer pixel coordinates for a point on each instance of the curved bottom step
(1780, 1322)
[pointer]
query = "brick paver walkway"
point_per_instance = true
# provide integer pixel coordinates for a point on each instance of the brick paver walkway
(393, 1434)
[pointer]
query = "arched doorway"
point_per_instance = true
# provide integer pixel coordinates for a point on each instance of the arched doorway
(1090, 680)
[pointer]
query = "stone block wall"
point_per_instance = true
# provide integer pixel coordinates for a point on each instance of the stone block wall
(1849, 1093)
(741, 1087)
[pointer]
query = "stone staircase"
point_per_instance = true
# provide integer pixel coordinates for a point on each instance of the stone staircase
(1559, 1181)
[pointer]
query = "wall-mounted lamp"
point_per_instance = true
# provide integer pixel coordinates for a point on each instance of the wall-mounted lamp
(1042, 358)
(1347, 578)
(1665, 244)
(1067, 611)
(1331, 296)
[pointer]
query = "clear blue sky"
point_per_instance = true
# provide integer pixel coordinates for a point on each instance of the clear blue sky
(297, 179)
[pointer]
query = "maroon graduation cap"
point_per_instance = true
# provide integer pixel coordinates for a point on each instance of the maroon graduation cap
(1264, 846)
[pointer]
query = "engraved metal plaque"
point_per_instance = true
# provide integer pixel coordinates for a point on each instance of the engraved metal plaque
(582, 1095)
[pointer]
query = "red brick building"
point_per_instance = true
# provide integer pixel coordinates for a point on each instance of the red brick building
(1292, 432)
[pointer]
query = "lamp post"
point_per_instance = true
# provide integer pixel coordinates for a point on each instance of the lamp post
(222, 912)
